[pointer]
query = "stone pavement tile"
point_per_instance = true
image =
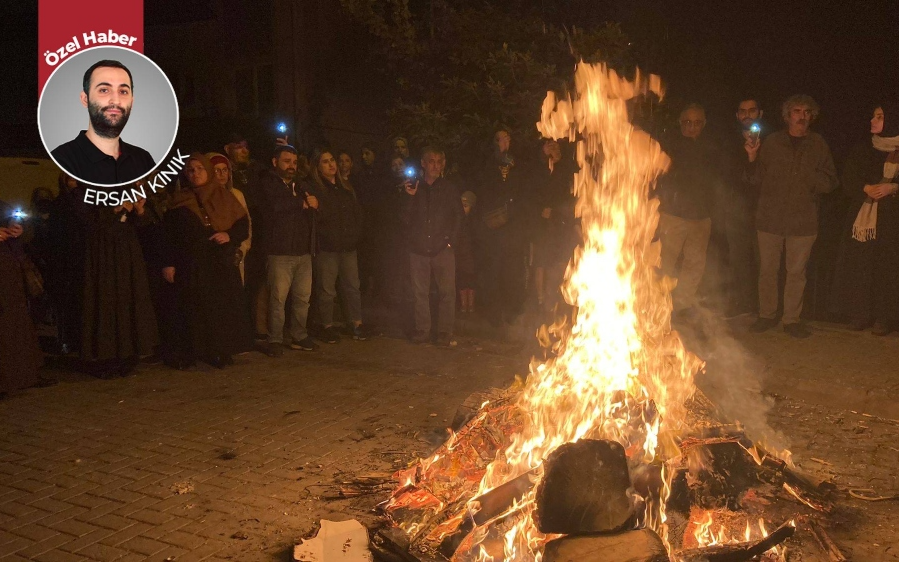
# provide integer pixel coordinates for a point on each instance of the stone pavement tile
(63, 515)
(12, 558)
(151, 516)
(34, 532)
(161, 531)
(27, 519)
(74, 490)
(29, 485)
(50, 505)
(72, 527)
(46, 545)
(99, 511)
(102, 552)
(86, 500)
(113, 522)
(59, 556)
(187, 540)
(143, 545)
(145, 502)
(167, 554)
(202, 553)
(14, 546)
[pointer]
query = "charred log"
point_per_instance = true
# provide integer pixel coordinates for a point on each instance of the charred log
(630, 546)
(738, 552)
(585, 489)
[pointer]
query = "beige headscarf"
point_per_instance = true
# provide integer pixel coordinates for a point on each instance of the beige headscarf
(220, 205)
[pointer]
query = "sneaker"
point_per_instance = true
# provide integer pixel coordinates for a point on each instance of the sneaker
(763, 325)
(360, 333)
(305, 344)
(881, 329)
(797, 330)
(274, 349)
(420, 337)
(446, 340)
(329, 335)
(260, 337)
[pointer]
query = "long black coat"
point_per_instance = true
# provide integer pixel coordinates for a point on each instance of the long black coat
(20, 357)
(208, 311)
(867, 273)
(100, 281)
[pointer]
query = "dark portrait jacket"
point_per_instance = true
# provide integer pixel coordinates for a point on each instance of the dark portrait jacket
(80, 158)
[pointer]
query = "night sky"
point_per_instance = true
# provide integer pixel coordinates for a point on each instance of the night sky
(844, 54)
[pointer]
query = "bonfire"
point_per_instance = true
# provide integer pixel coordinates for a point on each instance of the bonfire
(607, 447)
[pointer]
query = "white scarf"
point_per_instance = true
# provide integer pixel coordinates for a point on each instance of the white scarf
(865, 226)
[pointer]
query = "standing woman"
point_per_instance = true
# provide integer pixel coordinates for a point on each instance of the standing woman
(867, 277)
(205, 226)
(20, 356)
(338, 229)
(221, 168)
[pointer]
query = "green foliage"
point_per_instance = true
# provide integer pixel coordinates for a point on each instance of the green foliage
(461, 70)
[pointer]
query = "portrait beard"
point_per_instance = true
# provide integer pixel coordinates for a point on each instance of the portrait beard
(103, 126)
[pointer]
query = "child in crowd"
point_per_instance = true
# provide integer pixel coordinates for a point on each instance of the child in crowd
(466, 276)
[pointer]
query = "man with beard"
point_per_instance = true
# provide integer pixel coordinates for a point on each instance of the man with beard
(792, 169)
(98, 156)
(289, 214)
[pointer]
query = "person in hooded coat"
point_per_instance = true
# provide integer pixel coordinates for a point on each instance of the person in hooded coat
(224, 176)
(205, 226)
(867, 274)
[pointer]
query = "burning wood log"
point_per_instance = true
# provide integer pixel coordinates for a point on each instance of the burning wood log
(630, 546)
(825, 542)
(585, 489)
(738, 552)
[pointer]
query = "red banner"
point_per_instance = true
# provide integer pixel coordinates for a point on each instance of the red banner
(66, 28)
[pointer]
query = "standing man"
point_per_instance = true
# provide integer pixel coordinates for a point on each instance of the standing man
(289, 215)
(432, 214)
(98, 156)
(792, 169)
(686, 195)
(245, 177)
(739, 212)
(504, 195)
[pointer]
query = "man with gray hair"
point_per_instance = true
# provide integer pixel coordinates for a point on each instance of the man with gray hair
(686, 195)
(792, 169)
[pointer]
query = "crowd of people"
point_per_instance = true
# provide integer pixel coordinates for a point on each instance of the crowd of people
(244, 254)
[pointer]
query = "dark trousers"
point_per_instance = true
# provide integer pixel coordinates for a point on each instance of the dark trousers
(742, 250)
(443, 268)
(503, 278)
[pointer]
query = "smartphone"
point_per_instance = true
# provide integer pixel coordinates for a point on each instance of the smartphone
(19, 216)
(754, 131)
(281, 128)
(410, 172)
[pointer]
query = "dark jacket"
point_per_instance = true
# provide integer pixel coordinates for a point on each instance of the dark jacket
(791, 175)
(688, 189)
(288, 226)
(339, 218)
(432, 217)
(515, 194)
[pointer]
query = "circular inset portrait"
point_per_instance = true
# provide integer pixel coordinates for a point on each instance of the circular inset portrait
(108, 116)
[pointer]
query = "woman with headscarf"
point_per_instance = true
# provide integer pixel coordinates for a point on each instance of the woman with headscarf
(222, 174)
(338, 229)
(20, 356)
(865, 286)
(205, 226)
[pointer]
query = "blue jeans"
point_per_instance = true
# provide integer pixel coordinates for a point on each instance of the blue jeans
(288, 275)
(329, 267)
(443, 268)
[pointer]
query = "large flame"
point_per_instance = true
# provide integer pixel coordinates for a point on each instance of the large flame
(620, 373)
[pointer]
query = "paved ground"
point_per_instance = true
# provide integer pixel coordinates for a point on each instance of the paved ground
(237, 465)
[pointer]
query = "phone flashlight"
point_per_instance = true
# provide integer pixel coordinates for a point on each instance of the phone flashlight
(19, 215)
(755, 130)
(282, 127)
(410, 172)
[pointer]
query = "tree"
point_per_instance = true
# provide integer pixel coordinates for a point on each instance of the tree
(461, 70)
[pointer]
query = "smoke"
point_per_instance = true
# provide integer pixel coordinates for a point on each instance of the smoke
(732, 379)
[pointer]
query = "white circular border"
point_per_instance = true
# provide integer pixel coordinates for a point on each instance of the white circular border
(73, 57)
